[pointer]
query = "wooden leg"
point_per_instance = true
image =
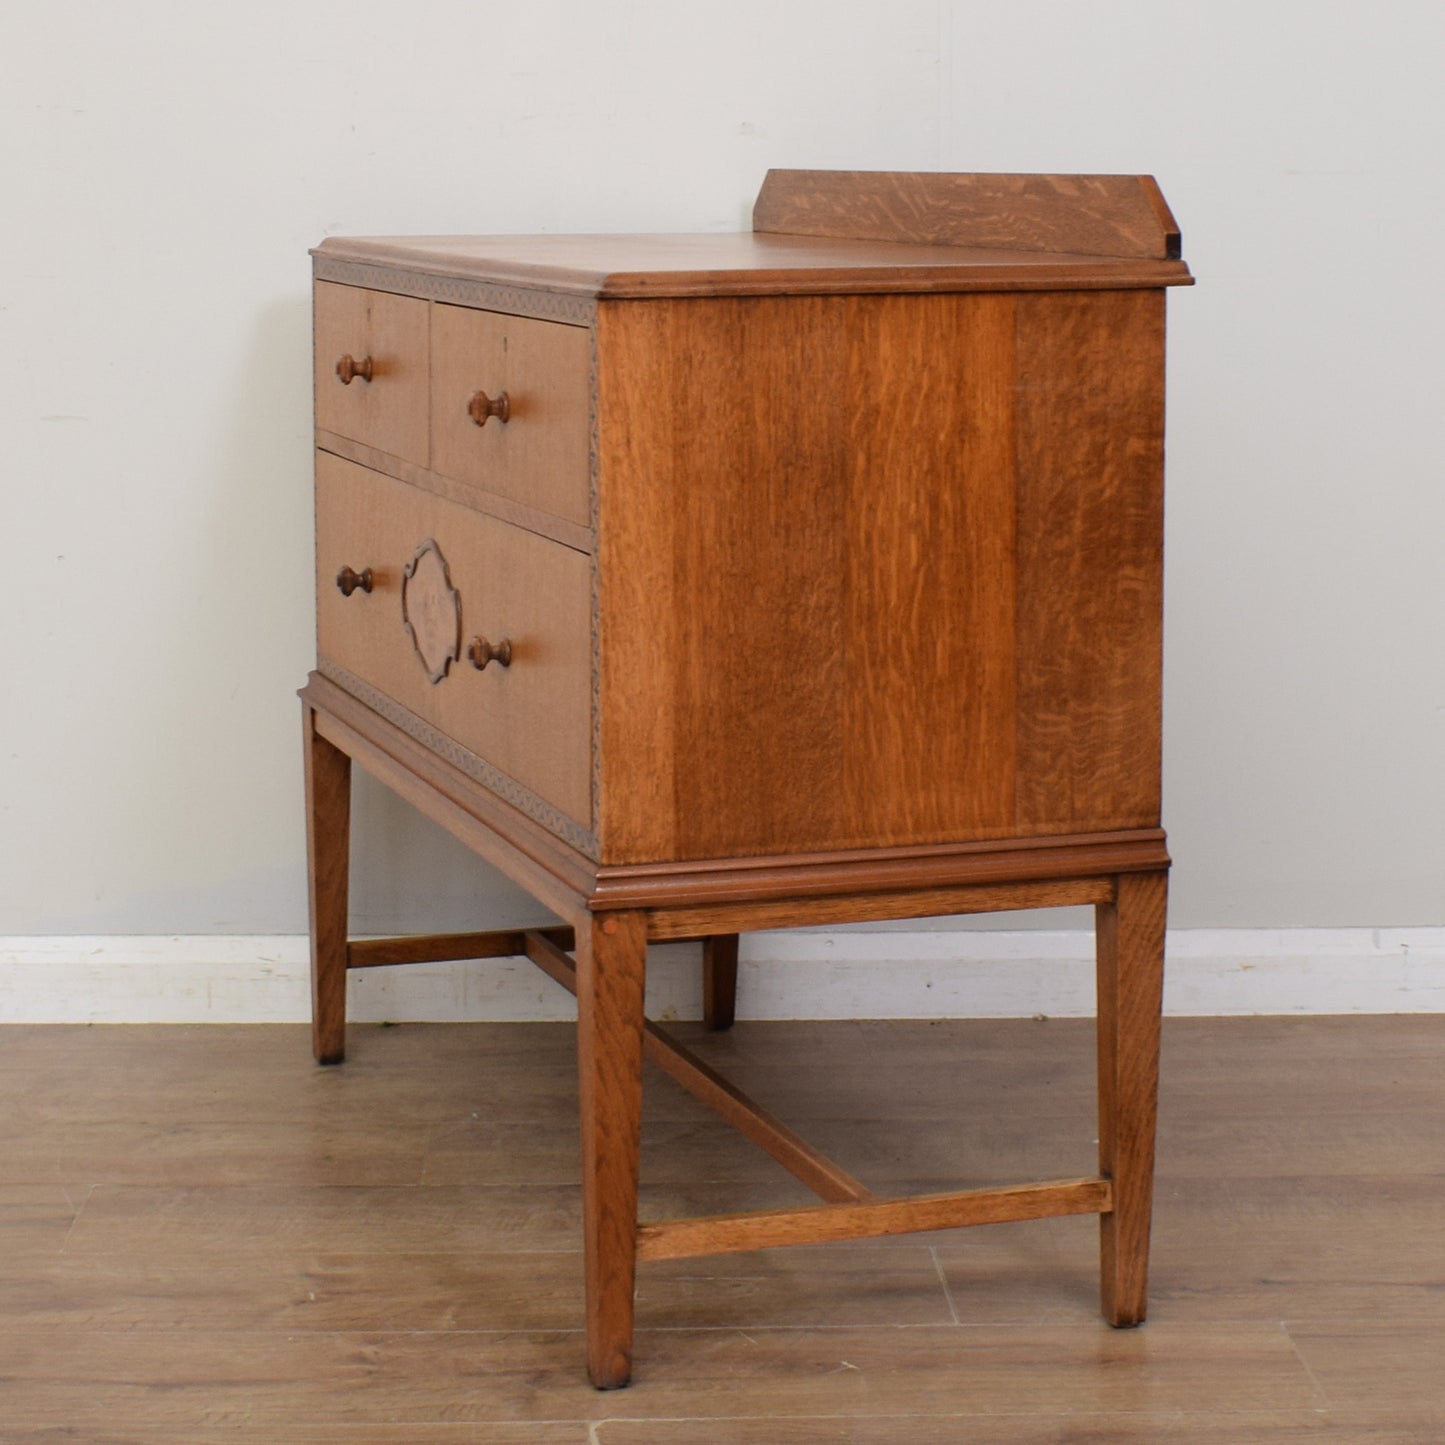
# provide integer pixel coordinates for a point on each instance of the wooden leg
(328, 852)
(611, 971)
(720, 980)
(1131, 986)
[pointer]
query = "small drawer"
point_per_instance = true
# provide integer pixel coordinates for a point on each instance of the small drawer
(538, 454)
(449, 587)
(371, 368)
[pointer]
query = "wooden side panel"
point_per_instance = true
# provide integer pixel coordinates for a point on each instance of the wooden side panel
(1090, 429)
(389, 412)
(928, 697)
(760, 491)
(878, 571)
(638, 445)
(1080, 215)
(532, 720)
(722, 485)
(807, 599)
(538, 456)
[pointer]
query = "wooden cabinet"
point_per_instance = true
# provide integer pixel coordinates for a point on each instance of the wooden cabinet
(712, 583)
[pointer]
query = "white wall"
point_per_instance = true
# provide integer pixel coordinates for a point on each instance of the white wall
(167, 164)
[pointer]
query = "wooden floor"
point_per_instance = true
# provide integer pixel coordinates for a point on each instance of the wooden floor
(208, 1239)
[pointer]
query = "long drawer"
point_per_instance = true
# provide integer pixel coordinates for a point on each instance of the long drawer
(479, 628)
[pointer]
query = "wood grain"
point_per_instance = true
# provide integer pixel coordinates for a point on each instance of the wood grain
(538, 457)
(808, 876)
(1089, 581)
(685, 922)
(676, 1239)
(388, 412)
(958, 539)
(576, 269)
(928, 633)
(328, 861)
(436, 947)
(1130, 994)
(1086, 215)
(1295, 1282)
(611, 971)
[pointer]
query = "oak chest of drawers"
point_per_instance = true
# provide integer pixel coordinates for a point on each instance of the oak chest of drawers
(713, 583)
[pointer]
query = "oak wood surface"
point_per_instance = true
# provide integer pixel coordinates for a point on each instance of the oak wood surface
(611, 972)
(701, 920)
(1299, 1244)
(648, 267)
(869, 628)
(727, 1233)
(388, 412)
(538, 456)
(328, 855)
(1088, 581)
(532, 721)
(1088, 215)
(955, 539)
(436, 947)
(1130, 997)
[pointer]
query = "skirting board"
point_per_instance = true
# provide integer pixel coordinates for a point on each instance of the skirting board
(801, 974)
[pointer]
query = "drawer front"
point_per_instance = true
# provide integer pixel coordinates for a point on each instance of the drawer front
(384, 340)
(445, 581)
(538, 455)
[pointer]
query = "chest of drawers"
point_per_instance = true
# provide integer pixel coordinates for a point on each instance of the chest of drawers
(713, 583)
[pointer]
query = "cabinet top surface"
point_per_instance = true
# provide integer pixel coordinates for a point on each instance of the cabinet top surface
(742, 264)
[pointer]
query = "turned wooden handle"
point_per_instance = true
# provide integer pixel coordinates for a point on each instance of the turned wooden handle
(348, 370)
(482, 652)
(348, 581)
(482, 406)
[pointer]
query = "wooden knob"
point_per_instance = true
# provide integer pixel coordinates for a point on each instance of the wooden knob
(481, 406)
(348, 370)
(348, 581)
(482, 652)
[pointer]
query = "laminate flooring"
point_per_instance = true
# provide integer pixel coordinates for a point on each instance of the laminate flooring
(205, 1238)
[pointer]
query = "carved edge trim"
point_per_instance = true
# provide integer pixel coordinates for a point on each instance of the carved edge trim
(477, 768)
(514, 300)
(594, 452)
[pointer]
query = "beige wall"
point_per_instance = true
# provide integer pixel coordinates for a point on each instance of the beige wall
(166, 165)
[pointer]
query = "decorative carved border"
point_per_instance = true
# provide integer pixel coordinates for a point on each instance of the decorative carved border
(513, 300)
(476, 768)
(594, 452)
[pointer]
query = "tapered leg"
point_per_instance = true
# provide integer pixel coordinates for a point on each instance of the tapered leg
(1131, 986)
(611, 971)
(720, 980)
(328, 851)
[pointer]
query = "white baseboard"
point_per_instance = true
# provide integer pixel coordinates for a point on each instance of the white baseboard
(801, 974)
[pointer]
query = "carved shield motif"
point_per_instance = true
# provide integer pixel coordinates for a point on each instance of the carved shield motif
(432, 610)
